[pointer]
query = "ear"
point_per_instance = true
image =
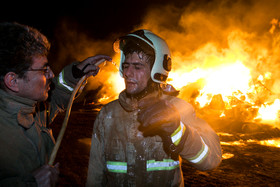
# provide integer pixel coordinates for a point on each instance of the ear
(11, 81)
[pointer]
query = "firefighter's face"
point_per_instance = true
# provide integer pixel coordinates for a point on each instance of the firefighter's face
(36, 83)
(136, 73)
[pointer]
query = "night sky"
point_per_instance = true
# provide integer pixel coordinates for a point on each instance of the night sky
(98, 20)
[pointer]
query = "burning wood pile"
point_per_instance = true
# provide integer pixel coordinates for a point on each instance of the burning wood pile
(235, 88)
(227, 83)
(225, 58)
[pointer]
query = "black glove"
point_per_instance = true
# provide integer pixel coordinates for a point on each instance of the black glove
(47, 175)
(77, 73)
(160, 117)
(89, 66)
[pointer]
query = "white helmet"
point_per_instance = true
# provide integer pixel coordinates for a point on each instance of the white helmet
(145, 38)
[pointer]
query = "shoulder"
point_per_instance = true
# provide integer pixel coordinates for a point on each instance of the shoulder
(110, 107)
(181, 105)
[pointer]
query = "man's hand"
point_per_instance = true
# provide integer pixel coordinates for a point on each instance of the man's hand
(89, 66)
(47, 176)
(160, 117)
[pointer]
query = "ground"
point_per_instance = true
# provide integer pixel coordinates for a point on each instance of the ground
(246, 162)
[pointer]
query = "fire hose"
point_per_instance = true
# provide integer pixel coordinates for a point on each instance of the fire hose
(67, 114)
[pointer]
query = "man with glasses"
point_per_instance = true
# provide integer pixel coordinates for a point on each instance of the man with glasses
(25, 77)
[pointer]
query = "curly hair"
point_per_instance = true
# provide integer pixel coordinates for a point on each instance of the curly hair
(132, 46)
(18, 44)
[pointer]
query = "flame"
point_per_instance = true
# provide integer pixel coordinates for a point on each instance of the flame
(224, 79)
(223, 62)
(239, 143)
(270, 142)
(221, 73)
(116, 86)
(227, 155)
(270, 112)
(227, 76)
(113, 81)
(103, 99)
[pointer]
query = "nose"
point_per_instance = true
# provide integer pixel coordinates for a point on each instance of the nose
(50, 74)
(128, 71)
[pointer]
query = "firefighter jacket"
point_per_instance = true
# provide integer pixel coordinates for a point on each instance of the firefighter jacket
(121, 156)
(26, 141)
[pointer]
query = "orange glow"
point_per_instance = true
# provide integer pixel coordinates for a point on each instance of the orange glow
(227, 155)
(116, 86)
(239, 143)
(269, 113)
(224, 79)
(219, 61)
(220, 74)
(272, 142)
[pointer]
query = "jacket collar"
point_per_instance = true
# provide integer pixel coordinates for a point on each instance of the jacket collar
(130, 103)
(22, 109)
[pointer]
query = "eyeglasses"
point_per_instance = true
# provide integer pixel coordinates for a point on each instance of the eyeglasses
(44, 70)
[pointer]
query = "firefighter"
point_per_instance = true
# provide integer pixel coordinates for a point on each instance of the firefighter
(26, 141)
(140, 138)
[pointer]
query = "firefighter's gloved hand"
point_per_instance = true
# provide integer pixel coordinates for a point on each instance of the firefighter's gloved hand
(160, 117)
(89, 66)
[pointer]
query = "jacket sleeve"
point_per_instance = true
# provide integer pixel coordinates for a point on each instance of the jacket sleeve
(97, 167)
(202, 146)
(59, 97)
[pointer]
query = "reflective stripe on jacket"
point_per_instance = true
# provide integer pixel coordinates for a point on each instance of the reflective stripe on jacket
(26, 141)
(152, 165)
(121, 156)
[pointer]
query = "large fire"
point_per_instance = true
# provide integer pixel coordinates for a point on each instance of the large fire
(223, 81)
(225, 61)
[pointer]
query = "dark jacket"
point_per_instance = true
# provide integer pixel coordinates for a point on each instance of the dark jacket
(121, 156)
(26, 141)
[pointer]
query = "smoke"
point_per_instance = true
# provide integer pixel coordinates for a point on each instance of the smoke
(73, 45)
(211, 34)
(220, 23)
(200, 34)
(206, 34)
